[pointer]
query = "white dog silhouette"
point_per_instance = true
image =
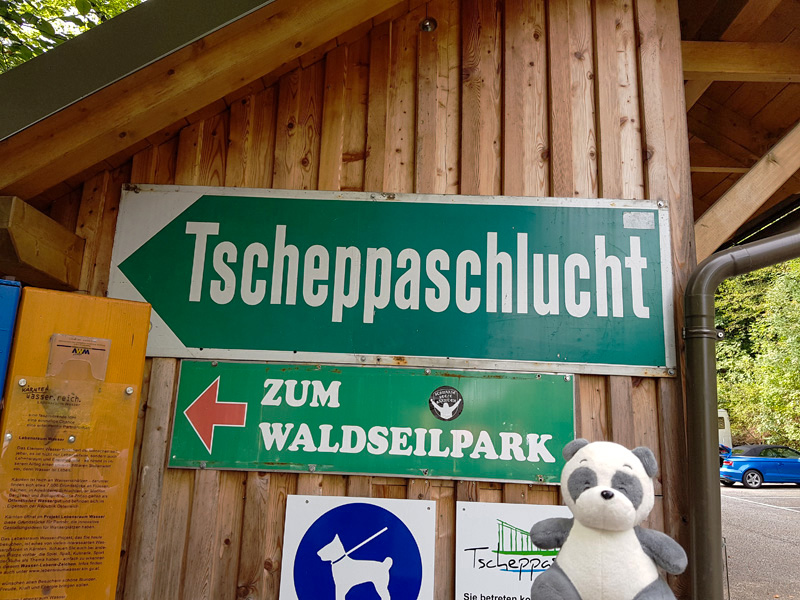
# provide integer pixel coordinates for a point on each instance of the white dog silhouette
(348, 572)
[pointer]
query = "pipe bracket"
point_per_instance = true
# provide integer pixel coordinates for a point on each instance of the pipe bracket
(703, 332)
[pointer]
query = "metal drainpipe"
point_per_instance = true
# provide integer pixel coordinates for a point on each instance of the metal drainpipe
(705, 526)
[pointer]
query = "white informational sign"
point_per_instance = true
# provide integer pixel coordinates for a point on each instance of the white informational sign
(370, 546)
(495, 558)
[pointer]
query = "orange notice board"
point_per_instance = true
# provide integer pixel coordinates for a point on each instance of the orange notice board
(68, 429)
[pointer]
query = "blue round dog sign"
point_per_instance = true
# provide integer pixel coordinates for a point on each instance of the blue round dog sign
(359, 551)
(356, 550)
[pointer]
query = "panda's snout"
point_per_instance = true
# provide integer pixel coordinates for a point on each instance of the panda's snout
(607, 494)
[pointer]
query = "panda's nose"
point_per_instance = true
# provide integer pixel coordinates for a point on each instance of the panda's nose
(607, 494)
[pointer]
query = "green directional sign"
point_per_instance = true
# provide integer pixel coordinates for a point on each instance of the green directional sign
(449, 281)
(377, 420)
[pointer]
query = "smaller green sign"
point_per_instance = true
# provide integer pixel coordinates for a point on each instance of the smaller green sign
(372, 420)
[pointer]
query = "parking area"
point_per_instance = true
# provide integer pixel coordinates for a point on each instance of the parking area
(762, 532)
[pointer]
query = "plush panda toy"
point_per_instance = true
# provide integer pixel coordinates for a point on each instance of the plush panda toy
(605, 555)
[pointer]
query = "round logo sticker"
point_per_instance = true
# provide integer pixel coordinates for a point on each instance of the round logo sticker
(446, 403)
(358, 551)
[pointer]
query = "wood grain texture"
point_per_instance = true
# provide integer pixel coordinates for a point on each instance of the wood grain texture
(333, 119)
(252, 574)
(733, 209)
(380, 49)
(65, 209)
(592, 418)
(251, 141)
(620, 142)
(194, 77)
(444, 578)
(354, 145)
(667, 180)
(298, 130)
(740, 61)
(281, 485)
(526, 144)
(560, 90)
(134, 481)
(142, 560)
(386, 109)
(438, 101)
(481, 97)
(620, 407)
(399, 157)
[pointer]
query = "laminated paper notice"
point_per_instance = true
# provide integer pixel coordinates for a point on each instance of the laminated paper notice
(63, 473)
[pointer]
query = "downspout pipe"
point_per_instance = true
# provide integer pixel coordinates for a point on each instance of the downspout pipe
(705, 514)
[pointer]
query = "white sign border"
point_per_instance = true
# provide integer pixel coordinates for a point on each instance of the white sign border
(470, 519)
(302, 511)
(144, 204)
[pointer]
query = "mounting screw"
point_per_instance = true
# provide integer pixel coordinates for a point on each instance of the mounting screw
(363, 359)
(71, 439)
(660, 204)
(670, 371)
(312, 468)
(427, 371)
(203, 464)
(428, 24)
(8, 437)
(424, 471)
(214, 363)
(567, 377)
(23, 382)
(129, 390)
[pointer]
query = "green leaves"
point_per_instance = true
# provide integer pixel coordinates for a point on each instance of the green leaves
(30, 27)
(758, 364)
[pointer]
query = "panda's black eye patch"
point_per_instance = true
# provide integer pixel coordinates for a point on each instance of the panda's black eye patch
(628, 485)
(581, 480)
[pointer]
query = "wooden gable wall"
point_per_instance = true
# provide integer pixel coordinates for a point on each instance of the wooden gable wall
(573, 98)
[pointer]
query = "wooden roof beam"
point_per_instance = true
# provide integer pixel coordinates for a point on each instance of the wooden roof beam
(747, 195)
(36, 249)
(740, 61)
(741, 29)
(119, 116)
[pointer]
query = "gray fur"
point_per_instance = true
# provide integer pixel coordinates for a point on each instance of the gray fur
(648, 459)
(571, 448)
(551, 533)
(628, 484)
(581, 479)
(658, 590)
(554, 584)
(663, 550)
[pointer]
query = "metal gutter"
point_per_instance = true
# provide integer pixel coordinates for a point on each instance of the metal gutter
(101, 56)
(705, 514)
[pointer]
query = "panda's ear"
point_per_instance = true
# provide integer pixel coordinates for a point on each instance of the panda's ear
(644, 454)
(575, 445)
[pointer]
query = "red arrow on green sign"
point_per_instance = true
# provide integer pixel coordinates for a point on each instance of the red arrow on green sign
(206, 412)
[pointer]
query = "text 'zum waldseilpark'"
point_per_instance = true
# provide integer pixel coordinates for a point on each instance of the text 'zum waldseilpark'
(415, 422)
(327, 277)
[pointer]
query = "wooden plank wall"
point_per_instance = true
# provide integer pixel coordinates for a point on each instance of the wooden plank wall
(572, 98)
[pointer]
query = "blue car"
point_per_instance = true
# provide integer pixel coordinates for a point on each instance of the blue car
(762, 463)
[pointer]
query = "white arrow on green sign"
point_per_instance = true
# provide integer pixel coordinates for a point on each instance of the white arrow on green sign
(451, 281)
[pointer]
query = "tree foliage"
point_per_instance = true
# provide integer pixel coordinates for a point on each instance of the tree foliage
(759, 361)
(30, 27)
